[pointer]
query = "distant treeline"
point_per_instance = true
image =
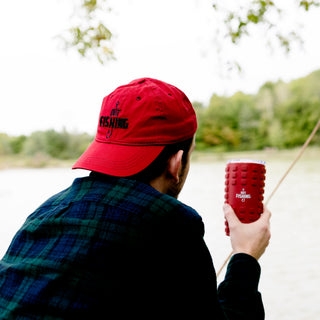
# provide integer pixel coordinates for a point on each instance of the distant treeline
(50, 143)
(281, 115)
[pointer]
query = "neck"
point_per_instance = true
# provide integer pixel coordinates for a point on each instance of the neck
(166, 186)
(160, 184)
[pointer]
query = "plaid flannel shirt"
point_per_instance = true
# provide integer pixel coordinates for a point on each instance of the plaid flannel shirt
(115, 248)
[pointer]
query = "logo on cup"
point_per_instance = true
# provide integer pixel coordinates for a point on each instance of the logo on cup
(243, 195)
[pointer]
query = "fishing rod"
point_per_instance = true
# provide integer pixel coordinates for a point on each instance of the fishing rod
(315, 129)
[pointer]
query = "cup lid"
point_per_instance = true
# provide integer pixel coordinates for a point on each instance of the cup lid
(246, 161)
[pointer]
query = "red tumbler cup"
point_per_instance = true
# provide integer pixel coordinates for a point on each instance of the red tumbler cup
(244, 189)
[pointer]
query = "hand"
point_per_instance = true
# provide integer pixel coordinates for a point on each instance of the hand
(251, 238)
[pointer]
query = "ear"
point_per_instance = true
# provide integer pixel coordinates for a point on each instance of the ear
(174, 165)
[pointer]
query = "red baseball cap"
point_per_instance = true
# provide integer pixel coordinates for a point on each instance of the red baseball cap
(136, 122)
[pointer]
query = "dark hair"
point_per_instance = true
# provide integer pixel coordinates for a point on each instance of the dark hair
(157, 167)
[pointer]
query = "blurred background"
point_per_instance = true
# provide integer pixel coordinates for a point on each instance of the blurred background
(251, 69)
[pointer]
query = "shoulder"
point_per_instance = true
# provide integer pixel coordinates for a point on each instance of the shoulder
(149, 205)
(112, 200)
(174, 215)
(164, 204)
(133, 195)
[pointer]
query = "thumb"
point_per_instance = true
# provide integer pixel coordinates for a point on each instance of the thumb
(266, 215)
(230, 215)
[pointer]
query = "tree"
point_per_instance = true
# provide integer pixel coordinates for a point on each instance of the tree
(229, 123)
(236, 20)
(280, 115)
(89, 35)
(240, 19)
(17, 143)
(5, 147)
(60, 145)
(268, 18)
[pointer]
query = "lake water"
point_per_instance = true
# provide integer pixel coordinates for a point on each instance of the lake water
(290, 280)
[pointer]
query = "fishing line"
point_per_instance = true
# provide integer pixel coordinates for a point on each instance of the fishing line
(303, 148)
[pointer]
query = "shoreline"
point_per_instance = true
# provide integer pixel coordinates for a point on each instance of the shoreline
(311, 153)
(43, 161)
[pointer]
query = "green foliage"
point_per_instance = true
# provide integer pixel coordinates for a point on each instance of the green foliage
(297, 119)
(17, 143)
(61, 145)
(231, 122)
(4, 144)
(308, 4)
(279, 116)
(269, 21)
(46, 144)
(89, 35)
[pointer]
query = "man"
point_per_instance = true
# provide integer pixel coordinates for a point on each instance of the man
(118, 244)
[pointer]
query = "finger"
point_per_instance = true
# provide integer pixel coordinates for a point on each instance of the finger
(230, 215)
(266, 215)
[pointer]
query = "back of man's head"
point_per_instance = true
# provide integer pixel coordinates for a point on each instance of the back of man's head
(136, 122)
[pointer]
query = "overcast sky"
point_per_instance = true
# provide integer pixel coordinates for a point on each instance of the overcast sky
(44, 87)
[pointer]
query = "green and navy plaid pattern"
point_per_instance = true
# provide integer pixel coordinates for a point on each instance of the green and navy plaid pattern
(58, 259)
(114, 248)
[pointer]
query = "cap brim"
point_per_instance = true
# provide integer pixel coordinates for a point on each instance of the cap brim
(117, 160)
